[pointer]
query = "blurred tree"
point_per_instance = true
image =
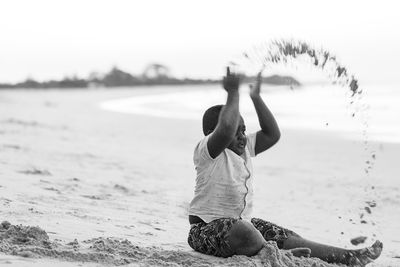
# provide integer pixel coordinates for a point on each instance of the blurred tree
(117, 77)
(156, 72)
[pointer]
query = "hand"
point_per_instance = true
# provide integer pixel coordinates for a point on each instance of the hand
(256, 87)
(231, 81)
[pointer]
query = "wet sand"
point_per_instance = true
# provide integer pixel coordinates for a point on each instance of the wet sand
(110, 188)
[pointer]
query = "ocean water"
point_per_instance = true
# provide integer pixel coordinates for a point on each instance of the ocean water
(373, 115)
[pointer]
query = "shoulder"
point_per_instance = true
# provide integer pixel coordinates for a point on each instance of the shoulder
(201, 151)
(205, 165)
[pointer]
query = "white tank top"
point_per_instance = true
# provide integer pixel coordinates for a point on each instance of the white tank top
(224, 185)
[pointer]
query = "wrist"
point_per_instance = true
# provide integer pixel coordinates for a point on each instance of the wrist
(255, 96)
(233, 92)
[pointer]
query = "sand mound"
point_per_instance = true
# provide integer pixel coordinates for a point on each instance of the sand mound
(33, 242)
(23, 235)
(271, 256)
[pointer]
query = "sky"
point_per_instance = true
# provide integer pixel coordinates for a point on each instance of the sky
(47, 39)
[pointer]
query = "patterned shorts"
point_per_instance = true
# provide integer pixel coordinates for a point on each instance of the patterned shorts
(211, 238)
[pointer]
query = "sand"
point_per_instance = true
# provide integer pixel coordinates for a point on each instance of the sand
(81, 186)
(33, 242)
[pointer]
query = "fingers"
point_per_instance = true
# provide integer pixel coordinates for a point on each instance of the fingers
(231, 81)
(259, 74)
(231, 75)
(229, 72)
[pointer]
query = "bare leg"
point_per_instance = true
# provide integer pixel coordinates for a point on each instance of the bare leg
(301, 252)
(244, 239)
(334, 254)
(287, 239)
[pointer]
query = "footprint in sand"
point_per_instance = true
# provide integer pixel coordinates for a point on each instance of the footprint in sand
(12, 146)
(97, 197)
(35, 171)
(124, 189)
(52, 189)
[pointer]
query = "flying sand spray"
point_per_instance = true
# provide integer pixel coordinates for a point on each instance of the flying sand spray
(285, 52)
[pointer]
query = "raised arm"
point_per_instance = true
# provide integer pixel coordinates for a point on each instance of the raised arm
(228, 119)
(269, 133)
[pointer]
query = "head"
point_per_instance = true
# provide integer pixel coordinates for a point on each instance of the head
(210, 121)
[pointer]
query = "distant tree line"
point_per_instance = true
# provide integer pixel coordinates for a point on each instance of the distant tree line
(154, 74)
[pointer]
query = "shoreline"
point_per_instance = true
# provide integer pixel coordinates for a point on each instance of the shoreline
(169, 105)
(81, 172)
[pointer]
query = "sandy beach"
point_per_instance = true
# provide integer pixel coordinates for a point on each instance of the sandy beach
(109, 188)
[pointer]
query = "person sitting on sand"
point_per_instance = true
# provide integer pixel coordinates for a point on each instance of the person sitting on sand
(220, 211)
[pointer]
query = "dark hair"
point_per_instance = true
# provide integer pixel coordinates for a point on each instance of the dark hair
(210, 119)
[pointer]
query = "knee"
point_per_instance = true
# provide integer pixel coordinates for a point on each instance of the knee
(245, 239)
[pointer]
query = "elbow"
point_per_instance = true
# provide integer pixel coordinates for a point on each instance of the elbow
(227, 130)
(274, 139)
(276, 136)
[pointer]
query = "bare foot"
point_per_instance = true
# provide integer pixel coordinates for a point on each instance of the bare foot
(362, 257)
(301, 252)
